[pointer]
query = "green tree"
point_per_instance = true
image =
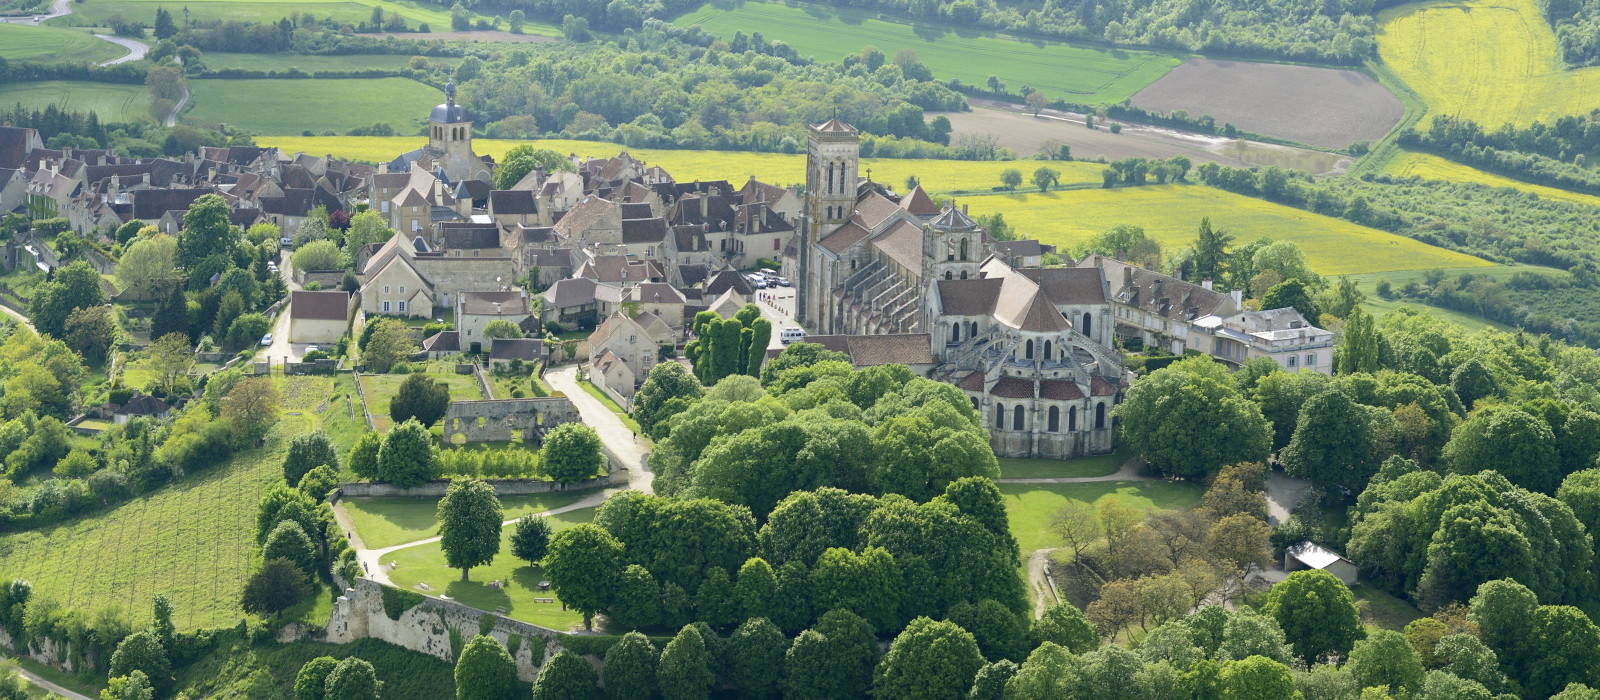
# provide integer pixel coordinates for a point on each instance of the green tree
(142, 652)
(668, 389)
(798, 355)
(485, 671)
(583, 565)
(364, 455)
(1465, 656)
(1246, 634)
(530, 539)
(408, 456)
(999, 632)
(1045, 177)
(282, 502)
(206, 232)
(1470, 380)
(75, 286)
(388, 345)
(684, 672)
(318, 482)
(353, 679)
(1066, 626)
(1384, 658)
(1211, 250)
(422, 398)
(1567, 650)
(1508, 440)
(933, 660)
(867, 584)
(308, 451)
(572, 453)
(757, 654)
(566, 676)
(252, 408)
(755, 589)
(1188, 420)
(714, 603)
(1358, 347)
(792, 604)
(311, 683)
(317, 256)
(1011, 178)
(469, 524)
(289, 541)
(501, 330)
(637, 601)
(134, 686)
(629, 670)
(1291, 293)
(1333, 445)
(1317, 614)
(990, 683)
(1049, 672)
(91, 332)
(246, 329)
(1257, 678)
(808, 669)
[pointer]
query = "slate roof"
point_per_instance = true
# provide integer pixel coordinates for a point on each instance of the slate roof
(142, 405)
(726, 279)
(153, 204)
(656, 293)
(513, 202)
(468, 236)
(320, 305)
(576, 291)
(443, 341)
(587, 213)
(636, 210)
(14, 146)
(525, 349)
(653, 230)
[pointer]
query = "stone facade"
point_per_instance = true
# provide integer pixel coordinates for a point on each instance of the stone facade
(506, 419)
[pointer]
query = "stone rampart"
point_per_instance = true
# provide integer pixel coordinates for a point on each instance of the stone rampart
(507, 419)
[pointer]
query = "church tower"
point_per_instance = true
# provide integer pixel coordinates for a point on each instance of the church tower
(833, 157)
(450, 139)
(952, 246)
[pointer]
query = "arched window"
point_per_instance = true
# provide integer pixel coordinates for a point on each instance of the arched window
(1100, 416)
(963, 274)
(999, 416)
(974, 403)
(1088, 324)
(1047, 352)
(1072, 418)
(1055, 419)
(972, 329)
(955, 333)
(1029, 352)
(949, 275)
(830, 187)
(963, 249)
(852, 264)
(1016, 417)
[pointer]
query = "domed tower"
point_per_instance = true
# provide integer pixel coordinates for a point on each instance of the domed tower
(450, 138)
(952, 245)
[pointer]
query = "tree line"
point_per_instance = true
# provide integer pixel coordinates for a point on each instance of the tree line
(1551, 155)
(1533, 301)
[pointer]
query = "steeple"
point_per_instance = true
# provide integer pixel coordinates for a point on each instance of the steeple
(450, 92)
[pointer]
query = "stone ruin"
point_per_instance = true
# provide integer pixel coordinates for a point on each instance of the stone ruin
(508, 419)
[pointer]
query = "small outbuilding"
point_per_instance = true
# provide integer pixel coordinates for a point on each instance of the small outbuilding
(319, 317)
(141, 406)
(1309, 555)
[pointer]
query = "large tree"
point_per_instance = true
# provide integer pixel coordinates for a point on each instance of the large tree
(274, 588)
(353, 679)
(1188, 420)
(1358, 347)
(311, 682)
(90, 332)
(667, 390)
(757, 652)
(485, 671)
(1066, 625)
(931, 660)
(629, 670)
(422, 398)
(1210, 250)
(530, 538)
(206, 232)
(1257, 678)
(142, 651)
(469, 524)
(306, 452)
(76, 286)
(149, 265)
(388, 344)
(584, 564)
(1317, 614)
(566, 676)
(1508, 440)
(1291, 294)
(288, 540)
(252, 408)
(1384, 658)
(572, 453)
(1333, 445)
(408, 456)
(637, 600)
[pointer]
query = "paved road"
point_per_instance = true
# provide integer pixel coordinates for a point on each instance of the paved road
(13, 313)
(61, 8)
(47, 685)
(172, 119)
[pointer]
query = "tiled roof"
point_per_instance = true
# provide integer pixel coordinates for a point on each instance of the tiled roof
(873, 209)
(512, 303)
(918, 203)
(525, 349)
(1101, 387)
(583, 216)
(653, 230)
(843, 237)
(321, 306)
(835, 126)
(443, 341)
(566, 293)
(1070, 285)
(513, 202)
(970, 297)
(1012, 388)
(1059, 390)
(142, 405)
(902, 242)
(971, 382)
(636, 210)
(869, 350)
(1042, 317)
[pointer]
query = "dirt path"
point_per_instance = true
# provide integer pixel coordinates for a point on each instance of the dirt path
(14, 314)
(1284, 492)
(172, 119)
(1038, 569)
(35, 679)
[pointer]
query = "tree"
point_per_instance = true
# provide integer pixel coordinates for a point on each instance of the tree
(566, 676)
(311, 683)
(1317, 614)
(407, 457)
(246, 329)
(1471, 381)
(282, 502)
(1465, 656)
(277, 586)
(999, 632)
(928, 660)
(172, 316)
(1188, 420)
(306, 452)
(757, 649)
(149, 264)
(366, 227)
(756, 588)
(1245, 634)
(1508, 440)
(289, 541)
(867, 584)
(90, 332)
(1036, 103)
(655, 401)
(1384, 658)
(1333, 445)
(142, 652)
(353, 679)
(1567, 650)
(1078, 524)
(1065, 625)
(714, 602)
(388, 345)
(798, 355)
(1504, 611)
(1211, 250)
(422, 398)
(469, 524)
(637, 601)
(364, 456)
(629, 670)
(134, 686)
(684, 672)
(1291, 293)
(1241, 541)
(1045, 177)
(517, 19)
(252, 408)
(319, 482)
(317, 256)
(1257, 678)
(530, 539)
(485, 671)
(76, 286)
(498, 330)
(571, 453)
(206, 232)
(1011, 178)
(583, 565)
(1358, 348)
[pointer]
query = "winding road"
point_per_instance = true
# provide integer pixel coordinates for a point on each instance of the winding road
(62, 8)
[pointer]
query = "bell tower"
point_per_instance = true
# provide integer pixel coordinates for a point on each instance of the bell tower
(833, 156)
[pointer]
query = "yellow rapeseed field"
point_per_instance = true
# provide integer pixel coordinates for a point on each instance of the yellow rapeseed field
(1171, 214)
(1491, 61)
(1431, 167)
(938, 176)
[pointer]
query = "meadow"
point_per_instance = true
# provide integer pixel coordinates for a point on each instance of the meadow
(113, 102)
(298, 105)
(309, 64)
(24, 43)
(386, 522)
(1060, 71)
(1491, 61)
(1171, 214)
(1030, 506)
(1098, 465)
(94, 12)
(1432, 167)
(380, 388)
(1378, 306)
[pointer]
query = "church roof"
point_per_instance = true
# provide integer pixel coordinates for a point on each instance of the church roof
(843, 237)
(1041, 317)
(952, 218)
(835, 126)
(903, 244)
(918, 203)
(449, 113)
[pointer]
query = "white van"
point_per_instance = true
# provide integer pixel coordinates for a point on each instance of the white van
(792, 335)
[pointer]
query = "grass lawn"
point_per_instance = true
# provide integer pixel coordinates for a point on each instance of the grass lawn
(1491, 61)
(1379, 609)
(24, 43)
(386, 522)
(305, 394)
(827, 33)
(595, 391)
(237, 669)
(1171, 214)
(425, 564)
(310, 64)
(318, 105)
(938, 176)
(1432, 167)
(1030, 506)
(380, 388)
(114, 102)
(1098, 465)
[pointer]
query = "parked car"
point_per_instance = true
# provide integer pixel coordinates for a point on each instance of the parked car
(286, 241)
(266, 340)
(792, 335)
(784, 282)
(311, 349)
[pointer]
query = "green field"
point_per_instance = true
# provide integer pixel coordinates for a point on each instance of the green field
(379, 388)
(310, 64)
(283, 106)
(113, 102)
(94, 12)
(1431, 167)
(1056, 69)
(1099, 465)
(24, 43)
(1491, 61)
(1171, 214)
(334, 396)
(425, 564)
(386, 522)
(1030, 506)
(1378, 307)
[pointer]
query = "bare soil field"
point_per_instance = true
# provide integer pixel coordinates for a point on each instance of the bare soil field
(1026, 135)
(1322, 107)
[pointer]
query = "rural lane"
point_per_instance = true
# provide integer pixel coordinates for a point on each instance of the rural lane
(35, 679)
(62, 8)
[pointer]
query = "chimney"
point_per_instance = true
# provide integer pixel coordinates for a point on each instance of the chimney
(1238, 298)
(1206, 284)
(963, 207)
(1127, 275)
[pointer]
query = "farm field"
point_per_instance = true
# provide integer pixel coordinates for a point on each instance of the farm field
(1171, 214)
(1060, 71)
(1491, 61)
(938, 176)
(425, 564)
(380, 388)
(1098, 465)
(1431, 167)
(1322, 107)
(318, 105)
(23, 43)
(113, 102)
(1030, 506)
(282, 62)
(386, 522)
(94, 12)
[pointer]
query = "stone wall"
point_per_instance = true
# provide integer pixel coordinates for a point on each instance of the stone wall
(426, 627)
(507, 419)
(502, 487)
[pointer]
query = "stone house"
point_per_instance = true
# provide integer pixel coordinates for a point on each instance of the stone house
(630, 344)
(474, 310)
(319, 317)
(579, 302)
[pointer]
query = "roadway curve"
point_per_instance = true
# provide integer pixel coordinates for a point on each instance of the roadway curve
(62, 8)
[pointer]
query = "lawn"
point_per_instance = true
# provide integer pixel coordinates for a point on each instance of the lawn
(380, 388)
(1080, 74)
(24, 43)
(319, 105)
(311, 64)
(113, 102)
(1098, 465)
(1030, 506)
(1491, 61)
(595, 391)
(425, 564)
(237, 669)
(1171, 214)
(1381, 610)
(328, 400)
(938, 176)
(1432, 167)
(386, 522)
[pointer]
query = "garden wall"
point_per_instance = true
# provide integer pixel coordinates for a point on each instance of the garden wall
(502, 487)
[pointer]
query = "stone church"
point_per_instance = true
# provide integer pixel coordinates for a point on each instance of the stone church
(1032, 348)
(449, 151)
